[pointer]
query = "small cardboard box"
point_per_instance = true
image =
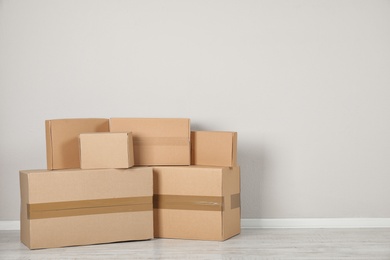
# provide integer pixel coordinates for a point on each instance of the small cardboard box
(196, 202)
(106, 150)
(212, 148)
(80, 207)
(62, 140)
(157, 141)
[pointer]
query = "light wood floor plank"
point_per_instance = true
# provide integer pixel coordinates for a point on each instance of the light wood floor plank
(250, 244)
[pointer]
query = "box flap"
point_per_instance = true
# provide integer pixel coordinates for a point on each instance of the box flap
(214, 148)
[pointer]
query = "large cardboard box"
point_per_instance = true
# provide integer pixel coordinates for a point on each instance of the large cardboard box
(213, 148)
(106, 150)
(157, 141)
(195, 202)
(79, 207)
(62, 140)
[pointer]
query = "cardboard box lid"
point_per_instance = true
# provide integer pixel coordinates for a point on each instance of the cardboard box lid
(214, 148)
(62, 144)
(106, 150)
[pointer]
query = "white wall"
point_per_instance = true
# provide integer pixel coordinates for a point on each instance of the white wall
(306, 84)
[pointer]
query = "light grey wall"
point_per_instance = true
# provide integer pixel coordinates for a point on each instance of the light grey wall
(306, 84)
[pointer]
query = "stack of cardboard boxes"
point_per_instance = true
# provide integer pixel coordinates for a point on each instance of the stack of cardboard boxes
(123, 179)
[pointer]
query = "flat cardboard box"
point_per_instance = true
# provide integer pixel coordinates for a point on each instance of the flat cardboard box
(196, 202)
(213, 148)
(157, 141)
(80, 207)
(62, 140)
(106, 150)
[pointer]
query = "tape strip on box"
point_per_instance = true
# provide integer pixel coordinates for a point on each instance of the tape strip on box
(88, 207)
(208, 203)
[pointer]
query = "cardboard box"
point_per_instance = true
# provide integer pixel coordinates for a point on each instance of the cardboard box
(196, 202)
(80, 207)
(62, 140)
(212, 148)
(106, 150)
(157, 141)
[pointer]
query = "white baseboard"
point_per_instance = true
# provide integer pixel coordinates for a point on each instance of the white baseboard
(317, 223)
(283, 223)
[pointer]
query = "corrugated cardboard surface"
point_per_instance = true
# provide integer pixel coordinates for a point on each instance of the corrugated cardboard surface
(157, 141)
(106, 150)
(213, 148)
(41, 186)
(197, 182)
(62, 144)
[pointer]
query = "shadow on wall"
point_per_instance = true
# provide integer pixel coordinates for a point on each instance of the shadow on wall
(253, 162)
(198, 127)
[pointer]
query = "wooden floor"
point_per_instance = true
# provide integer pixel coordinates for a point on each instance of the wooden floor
(250, 244)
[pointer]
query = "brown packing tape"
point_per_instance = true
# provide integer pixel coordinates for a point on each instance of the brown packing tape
(88, 207)
(160, 140)
(235, 201)
(208, 203)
